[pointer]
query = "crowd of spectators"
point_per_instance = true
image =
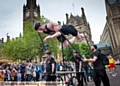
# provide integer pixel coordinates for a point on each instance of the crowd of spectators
(28, 71)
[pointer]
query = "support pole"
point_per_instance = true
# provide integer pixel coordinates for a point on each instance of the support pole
(63, 58)
(87, 41)
(75, 49)
(42, 41)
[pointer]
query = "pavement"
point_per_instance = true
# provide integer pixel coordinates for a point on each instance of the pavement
(114, 80)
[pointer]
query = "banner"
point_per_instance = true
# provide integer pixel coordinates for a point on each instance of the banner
(31, 83)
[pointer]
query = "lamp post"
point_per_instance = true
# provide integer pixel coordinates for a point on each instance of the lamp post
(87, 41)
(106, 50)
(83, 31)
(46, 46)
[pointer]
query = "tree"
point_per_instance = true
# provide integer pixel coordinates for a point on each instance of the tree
(82, 48)
(29, 46)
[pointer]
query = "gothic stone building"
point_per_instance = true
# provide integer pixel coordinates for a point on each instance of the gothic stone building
(30, 12)
(111, 32)
(81, 24)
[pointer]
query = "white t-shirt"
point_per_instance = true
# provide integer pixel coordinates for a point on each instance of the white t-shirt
(34, 74)
(61, 68)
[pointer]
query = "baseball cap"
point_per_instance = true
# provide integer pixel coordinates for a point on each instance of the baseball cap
(37, 25)
(47, 52)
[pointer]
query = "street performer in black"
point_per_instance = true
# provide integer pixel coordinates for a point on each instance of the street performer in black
(99, 72)
(50, 67)
(77, 60)
(78, 66)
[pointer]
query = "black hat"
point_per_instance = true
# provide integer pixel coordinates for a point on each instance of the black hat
(36, 25)
(47, 52)
(74, 51)
(95, 46)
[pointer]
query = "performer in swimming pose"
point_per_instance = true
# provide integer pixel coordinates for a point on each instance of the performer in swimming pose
(57, 31)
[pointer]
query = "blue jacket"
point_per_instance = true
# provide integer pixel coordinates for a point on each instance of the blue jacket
(40, 69)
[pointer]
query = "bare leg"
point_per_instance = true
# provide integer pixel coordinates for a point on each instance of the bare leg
(66, 43)
(79, 36)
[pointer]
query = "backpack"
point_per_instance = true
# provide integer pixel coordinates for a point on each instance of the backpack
(104, 59)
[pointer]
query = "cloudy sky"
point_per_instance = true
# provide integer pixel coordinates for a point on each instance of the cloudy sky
(11, 14)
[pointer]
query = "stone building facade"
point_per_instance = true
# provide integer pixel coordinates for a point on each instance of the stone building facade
(81, 24)
(111, 32)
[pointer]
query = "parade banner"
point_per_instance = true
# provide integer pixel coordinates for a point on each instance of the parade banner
(41, 83)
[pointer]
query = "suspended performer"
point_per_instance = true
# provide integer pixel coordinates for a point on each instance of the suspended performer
(57, 31)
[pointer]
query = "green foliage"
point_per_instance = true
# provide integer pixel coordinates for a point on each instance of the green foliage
(29, 46)
(82, 48)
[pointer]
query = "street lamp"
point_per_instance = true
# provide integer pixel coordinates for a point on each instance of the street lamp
(86, 40)
(46, 46)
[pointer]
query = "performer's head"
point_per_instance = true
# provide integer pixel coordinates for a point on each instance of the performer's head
(75, 53)
(47, 53)
(38, 26)
(93, 47)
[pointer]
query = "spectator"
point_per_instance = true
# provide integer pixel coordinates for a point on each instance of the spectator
(28, 74)
(14, 75)
(2, 76)
(37, 71)
(30, 67)
(57, 67)
(112, 67)
(9, 76)
(22, 69)
(19, 76)
(40, 71)
(34, 75)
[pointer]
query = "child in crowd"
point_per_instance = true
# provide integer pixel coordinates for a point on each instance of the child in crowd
(112, 67)
(19, 76)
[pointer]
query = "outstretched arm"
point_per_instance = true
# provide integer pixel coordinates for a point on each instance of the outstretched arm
(52, 36)
(56, 28)
(91, 59)
(56, 35)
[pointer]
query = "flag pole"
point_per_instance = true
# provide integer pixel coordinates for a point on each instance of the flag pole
(73, 8)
